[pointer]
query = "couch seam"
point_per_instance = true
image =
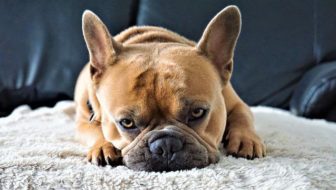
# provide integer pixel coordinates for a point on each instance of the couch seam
(315, 54)
(134, 11)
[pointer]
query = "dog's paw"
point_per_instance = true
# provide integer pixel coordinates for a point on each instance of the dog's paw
(244, 143)
(103, 153)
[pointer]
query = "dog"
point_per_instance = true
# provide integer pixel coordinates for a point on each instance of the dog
(156, 101)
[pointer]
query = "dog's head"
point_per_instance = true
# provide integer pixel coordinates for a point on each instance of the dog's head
(161, 104)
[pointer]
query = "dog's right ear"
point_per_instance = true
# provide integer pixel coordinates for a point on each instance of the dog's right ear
(103, 49)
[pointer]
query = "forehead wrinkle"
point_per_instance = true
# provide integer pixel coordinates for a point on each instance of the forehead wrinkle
(142, 80)
(140, 72)
(159, 87)
(171, 77)
(158, 82)
(169, 87)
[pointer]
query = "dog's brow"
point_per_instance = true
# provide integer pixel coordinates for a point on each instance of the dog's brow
(129, 111)
(189, 101)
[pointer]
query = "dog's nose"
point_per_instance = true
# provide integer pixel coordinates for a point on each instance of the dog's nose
(166, 146)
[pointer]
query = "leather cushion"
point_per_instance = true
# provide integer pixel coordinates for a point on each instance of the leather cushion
(315, 95)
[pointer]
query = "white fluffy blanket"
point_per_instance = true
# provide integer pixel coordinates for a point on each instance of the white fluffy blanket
(38, 150)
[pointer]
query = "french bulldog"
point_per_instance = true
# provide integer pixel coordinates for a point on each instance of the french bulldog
(156, 101)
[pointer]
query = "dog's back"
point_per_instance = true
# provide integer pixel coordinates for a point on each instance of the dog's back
(148, 34)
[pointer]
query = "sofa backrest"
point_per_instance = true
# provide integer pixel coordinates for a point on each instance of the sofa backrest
(42, 49)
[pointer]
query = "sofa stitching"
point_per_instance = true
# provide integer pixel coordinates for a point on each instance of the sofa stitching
(134, 11)
(315, 53)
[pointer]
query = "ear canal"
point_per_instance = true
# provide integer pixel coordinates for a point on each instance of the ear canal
(102, 47)
(219, 40)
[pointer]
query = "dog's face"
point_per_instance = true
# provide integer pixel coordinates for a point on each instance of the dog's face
(161, 103)
(167, 114)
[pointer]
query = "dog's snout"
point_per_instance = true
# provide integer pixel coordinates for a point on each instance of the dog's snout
(167, 149)
(165, 146)
(163, 150)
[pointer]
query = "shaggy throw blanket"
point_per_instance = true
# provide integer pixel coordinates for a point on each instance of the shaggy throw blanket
(38, 151)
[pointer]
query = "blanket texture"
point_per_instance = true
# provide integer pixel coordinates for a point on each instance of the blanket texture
(38, 151)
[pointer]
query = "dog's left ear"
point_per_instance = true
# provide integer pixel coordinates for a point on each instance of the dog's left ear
(219, 40)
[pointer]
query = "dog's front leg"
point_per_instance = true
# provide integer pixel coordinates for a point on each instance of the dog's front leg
(101, 151)
(90, 134)
(240, 138)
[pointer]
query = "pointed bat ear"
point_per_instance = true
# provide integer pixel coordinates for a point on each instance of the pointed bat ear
(103, 49)
(219, 40)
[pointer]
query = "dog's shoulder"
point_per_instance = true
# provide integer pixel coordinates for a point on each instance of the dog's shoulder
(150, 34)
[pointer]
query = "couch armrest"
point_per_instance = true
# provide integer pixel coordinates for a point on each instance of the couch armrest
(315, 95)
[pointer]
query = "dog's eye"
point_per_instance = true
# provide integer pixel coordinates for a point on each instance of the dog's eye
(127, 123)
(197, 113)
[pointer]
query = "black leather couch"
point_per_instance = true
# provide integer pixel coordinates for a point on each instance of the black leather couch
(285, 58)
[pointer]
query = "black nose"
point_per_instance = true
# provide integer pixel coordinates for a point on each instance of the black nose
(165, 146)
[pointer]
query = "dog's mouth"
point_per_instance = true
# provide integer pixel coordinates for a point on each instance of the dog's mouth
(168, 150)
